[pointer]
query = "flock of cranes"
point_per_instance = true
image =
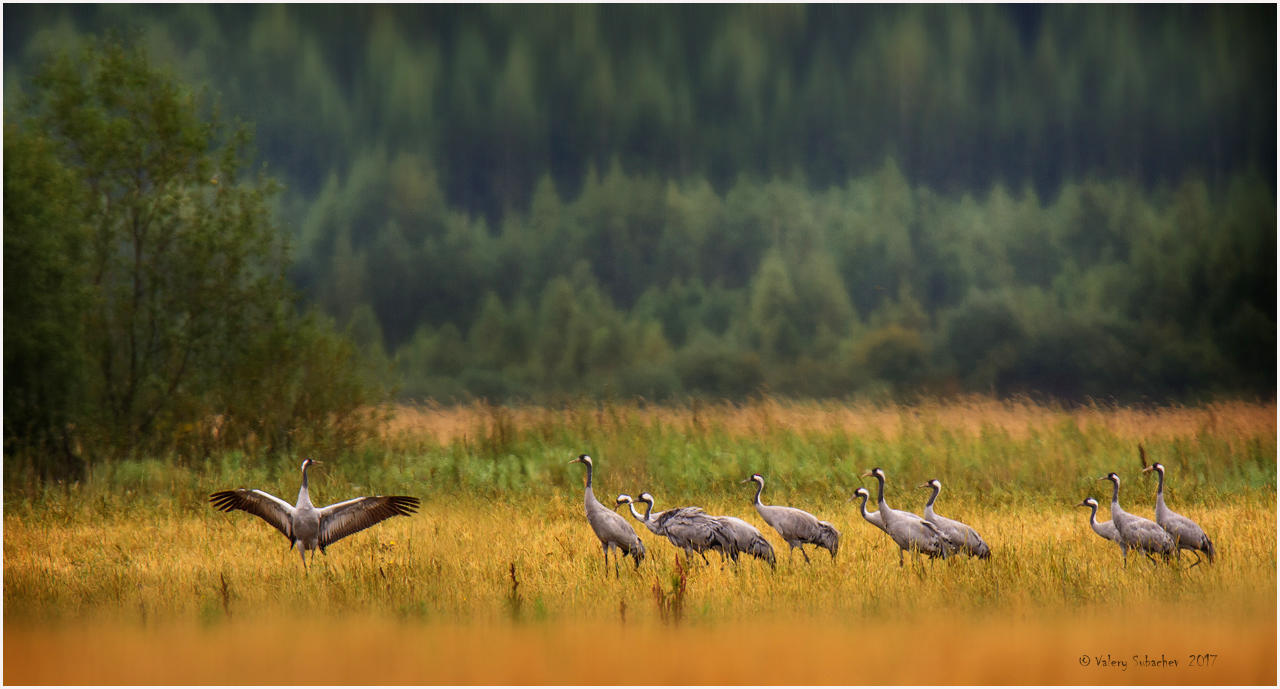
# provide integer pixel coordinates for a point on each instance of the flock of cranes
(1167, 536)
(692, 530)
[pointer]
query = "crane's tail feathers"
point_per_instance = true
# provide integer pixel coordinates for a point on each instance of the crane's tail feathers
(760, 548)
(1209, 550)
(636, 552)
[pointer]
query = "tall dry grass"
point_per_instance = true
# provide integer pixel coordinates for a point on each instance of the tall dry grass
(500, 580)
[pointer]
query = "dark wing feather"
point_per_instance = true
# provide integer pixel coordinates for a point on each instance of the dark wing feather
(342, 519)
(273, 510)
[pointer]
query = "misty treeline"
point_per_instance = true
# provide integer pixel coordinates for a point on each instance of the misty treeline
(651, 287)
(492, 98)
(535, 202)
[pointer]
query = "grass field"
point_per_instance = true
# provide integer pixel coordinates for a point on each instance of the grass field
(500, 580)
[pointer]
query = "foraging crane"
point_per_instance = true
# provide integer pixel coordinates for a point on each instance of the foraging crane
(1186, 534)
(959, 537)
(688, 528)
(1105, 529)
(908, 531)
(1137, 532)
(796, 526)
(610, 527)
(746, 538)
(872, 517)
(306, 527)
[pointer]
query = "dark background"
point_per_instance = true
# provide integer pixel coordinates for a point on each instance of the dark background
(529, 202)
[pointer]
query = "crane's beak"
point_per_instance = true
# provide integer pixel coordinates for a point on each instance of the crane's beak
(1146, 469)
(1082, 504)
(574, 461)
(924, 485)
(745, 480)
(866, 473)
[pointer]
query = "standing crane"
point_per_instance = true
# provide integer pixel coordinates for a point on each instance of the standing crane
(908, 531)
(1186, 534)
(960, 537)
(1137, 532)
(796, 526)
(1105, 529)
(610, 527)
(306, 527)
(688, 528)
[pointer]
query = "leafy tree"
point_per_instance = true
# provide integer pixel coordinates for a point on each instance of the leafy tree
(45, 294)
(182, 266)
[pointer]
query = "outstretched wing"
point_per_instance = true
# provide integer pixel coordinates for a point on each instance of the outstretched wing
(342, 519)
(273, 510)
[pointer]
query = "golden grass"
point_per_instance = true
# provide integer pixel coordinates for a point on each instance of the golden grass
(429, 600)
(971, 415)
(177, 593)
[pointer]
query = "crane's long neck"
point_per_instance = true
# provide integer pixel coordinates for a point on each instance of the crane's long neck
(936, 490)
(1115, 499)
(863, 507)
(880, 492)
(304, 496)
(1160, 489)
(1093, 516)
(636, 514)
(759, 490)
(589, 496)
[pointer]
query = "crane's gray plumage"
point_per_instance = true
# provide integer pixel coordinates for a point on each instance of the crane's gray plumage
(688, 528)
(796, 526)
(959, 537)
(610, 527)
(748, 539)
(871, 517)
(1105, 529)
(1186, 534)
(306, 527)
(1137, 532)
(909, 531)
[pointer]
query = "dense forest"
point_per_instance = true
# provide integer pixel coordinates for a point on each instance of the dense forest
(529, 202)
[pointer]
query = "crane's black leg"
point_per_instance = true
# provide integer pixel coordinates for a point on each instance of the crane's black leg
(806, 555)
(900, 564)
(1197, 554)
(1153, 560)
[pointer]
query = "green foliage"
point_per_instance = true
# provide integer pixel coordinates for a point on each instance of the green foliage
(519, 203)
(153, 254)
(45, 294)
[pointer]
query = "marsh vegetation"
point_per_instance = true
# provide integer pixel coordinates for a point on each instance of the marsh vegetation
(499, 578)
